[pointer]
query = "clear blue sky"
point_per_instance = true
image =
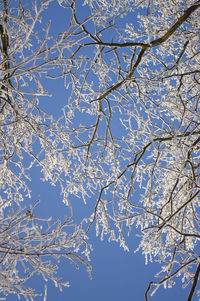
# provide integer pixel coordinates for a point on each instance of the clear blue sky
(117, 275)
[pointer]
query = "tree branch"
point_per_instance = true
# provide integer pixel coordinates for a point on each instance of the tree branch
(196, 277)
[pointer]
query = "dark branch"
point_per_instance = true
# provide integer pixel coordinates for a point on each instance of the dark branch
(196, 277)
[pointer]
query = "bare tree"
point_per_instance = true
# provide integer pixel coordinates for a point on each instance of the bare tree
(128, 140)
(142, 77)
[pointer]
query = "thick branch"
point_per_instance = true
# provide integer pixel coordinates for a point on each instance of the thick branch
(156, 42)
(4, 51)
(196, 277)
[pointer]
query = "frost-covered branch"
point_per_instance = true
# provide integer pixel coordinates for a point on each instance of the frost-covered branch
(128, 141)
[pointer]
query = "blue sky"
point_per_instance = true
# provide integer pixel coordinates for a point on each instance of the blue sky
(116, 275)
